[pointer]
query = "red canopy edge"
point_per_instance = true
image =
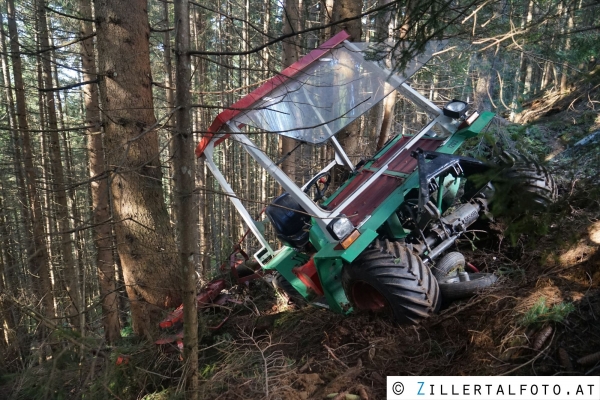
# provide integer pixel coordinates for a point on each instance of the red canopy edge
(257, 94)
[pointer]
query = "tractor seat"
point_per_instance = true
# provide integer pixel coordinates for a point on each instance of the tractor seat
(292, 227)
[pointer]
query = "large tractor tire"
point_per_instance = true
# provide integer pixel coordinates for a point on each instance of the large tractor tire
(523, 184)
(388, 277)
(285, 288)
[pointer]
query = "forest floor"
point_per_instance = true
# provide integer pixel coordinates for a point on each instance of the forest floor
(542, 317)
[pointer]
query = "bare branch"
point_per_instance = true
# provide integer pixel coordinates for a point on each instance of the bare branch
(69, 16)
(74, 85)
(160, 30)
(287, 36)
(250, 24)
(75, 128)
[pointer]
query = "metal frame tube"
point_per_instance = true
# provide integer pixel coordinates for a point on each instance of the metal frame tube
(208, 158)
(340, 155)
(322, 217)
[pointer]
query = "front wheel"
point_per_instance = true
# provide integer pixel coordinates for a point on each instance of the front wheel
(449, 265)
(388, 277)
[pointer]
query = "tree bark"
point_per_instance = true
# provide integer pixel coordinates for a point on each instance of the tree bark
(343, 9)
(567, 47)
(185, 179)
(486, 81)
(170, 102)
(145, 240)
(349, 136)
(387, 121)
(102, 231)
(518, 83)
(203, 211)
(328, 18)
(71, 274)
(526, 65)
(291, 50)
(37, 253)
(266, 20)
(385, 109)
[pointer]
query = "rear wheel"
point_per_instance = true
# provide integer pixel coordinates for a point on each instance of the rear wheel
(524, 184)
(389, 278)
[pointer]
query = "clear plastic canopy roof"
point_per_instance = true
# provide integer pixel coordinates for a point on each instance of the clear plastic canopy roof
(329, 94)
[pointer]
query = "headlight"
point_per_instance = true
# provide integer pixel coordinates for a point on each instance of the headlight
(455, 109)
(340, 228)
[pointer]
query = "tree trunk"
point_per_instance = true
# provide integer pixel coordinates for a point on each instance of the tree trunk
(16, 143)
(201, 173)
(266, 28)
(485, 85)
(185, 178)
(390, 101)
(291, 21)
(102, 231)
(567, 47)
(385, 109)
(387, 122)
(11, 351)
(518, 78)
(170, 102)
(328, 18)
(37, 253)
(74, 309)
(145, 240)
(526, 65)
(342, 9)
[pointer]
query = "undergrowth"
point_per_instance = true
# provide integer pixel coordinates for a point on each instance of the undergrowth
(540, 313)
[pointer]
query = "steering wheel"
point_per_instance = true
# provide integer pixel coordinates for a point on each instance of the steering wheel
(321, 183)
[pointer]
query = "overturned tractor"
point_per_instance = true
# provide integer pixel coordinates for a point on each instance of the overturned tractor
(382, 240)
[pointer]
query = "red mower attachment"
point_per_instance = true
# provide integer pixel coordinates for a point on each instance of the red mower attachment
(206, 296)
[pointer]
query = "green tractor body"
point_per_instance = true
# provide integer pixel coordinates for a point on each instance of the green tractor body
(375, 215)
(395, 198)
